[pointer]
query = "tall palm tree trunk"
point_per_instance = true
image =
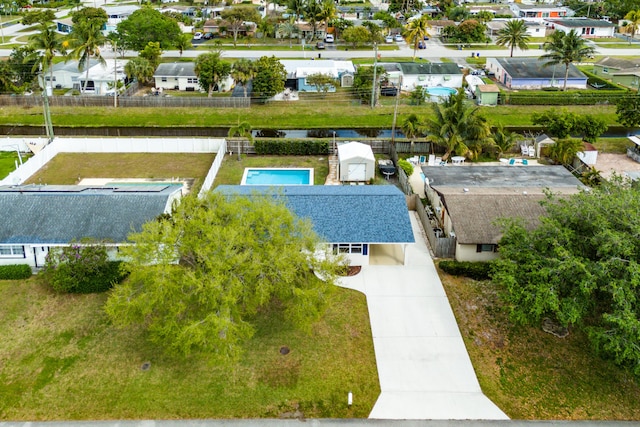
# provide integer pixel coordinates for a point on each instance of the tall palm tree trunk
(566, 77)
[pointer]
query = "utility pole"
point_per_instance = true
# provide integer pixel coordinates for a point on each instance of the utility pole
(375, 68)
(47, 113)
(114, 46)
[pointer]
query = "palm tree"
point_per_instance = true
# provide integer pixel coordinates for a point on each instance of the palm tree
(503, 139)
(313, 15)
(297, 7)
(457, 127)
(183, 42)
(243, 71)
(513, 34)
(416, 31)
(47, 41)
(327, 12)
(634, 20)
(411, 128)
(242, 130)
(140, 69)
(85, 41)
(566, 48)
(288, 29)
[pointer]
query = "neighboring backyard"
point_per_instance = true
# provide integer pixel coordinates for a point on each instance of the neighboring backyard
(531, 374)
(60, 359)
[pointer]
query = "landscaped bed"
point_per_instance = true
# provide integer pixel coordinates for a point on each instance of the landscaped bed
(60, 359)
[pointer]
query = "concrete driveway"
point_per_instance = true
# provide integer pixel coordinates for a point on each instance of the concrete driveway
(423, 365)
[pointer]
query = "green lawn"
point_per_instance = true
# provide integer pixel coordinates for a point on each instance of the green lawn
(60, 359)
(8, 162)
(231, 171)
(533, 375)
(68, 168)
(312, 112)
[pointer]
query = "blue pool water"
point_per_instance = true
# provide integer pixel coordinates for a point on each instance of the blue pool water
(442, 92)
(269, 176)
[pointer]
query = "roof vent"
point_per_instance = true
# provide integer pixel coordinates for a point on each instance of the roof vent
(524, 193)
(466, 190)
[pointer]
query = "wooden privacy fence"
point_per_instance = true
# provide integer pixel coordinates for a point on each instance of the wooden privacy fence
(125, 101)
(442, 247)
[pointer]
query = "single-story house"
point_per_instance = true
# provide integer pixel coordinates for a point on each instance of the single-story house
(220, 27)
(360, 221)
(299, 69)
(585, 27)
(437, 25)
(414, 74)
(36, 218)
(534, 28)
(468, 201)
(487, 94)
(67, 75)
(182, 76)
(589, 154)
(356, 162)
(625, 72)
(117, 14)
(64, 25)
(531, 73)
(530, 12)
(357, 12)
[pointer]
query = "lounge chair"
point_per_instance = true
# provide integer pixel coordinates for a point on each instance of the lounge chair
(512, 162)
(525, 162)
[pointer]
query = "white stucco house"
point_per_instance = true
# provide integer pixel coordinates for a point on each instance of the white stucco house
(356, 162)
(413, 75)
(182, 76)
(468, 201)
(36, 218)
(67, 75)
(531, 73)
(585, 27)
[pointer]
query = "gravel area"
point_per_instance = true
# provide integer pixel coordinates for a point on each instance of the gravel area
(607, 163)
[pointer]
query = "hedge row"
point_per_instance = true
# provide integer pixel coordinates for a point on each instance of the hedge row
(291, 147)
(473, 270)
(573, 97)
(595, 79)
(15, 272)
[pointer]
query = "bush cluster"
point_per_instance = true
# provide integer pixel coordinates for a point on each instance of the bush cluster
(405, 166)
(473, 270)
(15, 272)
(291, 147)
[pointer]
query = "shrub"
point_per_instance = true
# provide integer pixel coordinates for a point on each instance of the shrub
(15, 272)
(473, 270)
(291, 147)
(405, 166)
(81, 269)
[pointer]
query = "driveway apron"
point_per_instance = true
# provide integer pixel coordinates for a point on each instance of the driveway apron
(423, 365)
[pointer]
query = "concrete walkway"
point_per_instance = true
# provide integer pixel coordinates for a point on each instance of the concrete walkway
(423, 365)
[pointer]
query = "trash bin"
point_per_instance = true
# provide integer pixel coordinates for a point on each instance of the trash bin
(319, 55)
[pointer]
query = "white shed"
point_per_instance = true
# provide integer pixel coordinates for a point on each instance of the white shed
(355, 162)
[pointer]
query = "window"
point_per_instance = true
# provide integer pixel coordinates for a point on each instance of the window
(164, 79)
(486, 248)
(11, 251)
(192, 80)
(351, 248)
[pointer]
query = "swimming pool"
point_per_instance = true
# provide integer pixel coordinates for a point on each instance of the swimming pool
(440, 93)
(275, 176)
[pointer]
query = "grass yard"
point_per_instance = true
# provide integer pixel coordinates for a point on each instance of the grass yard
(613, 145)
(67, 168)
(530, 374)
(308, 113)
(60, 359)
(8, 161)
(231, 171)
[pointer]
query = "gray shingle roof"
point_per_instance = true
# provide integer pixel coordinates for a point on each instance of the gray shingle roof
(61, 214)
(473, 216)
(581, 22)
(524, 68)
(429, 68)
(619, 63)
(344, 214)
(176, 69)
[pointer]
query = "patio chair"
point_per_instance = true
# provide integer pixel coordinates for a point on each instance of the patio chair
(512, 162)
(532, 151)
(423, 160)
(525, 162)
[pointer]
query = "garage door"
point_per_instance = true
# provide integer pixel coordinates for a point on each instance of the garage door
(357, 171)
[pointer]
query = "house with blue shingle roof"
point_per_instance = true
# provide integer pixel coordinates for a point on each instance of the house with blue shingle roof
(36, 218)
(357, 220)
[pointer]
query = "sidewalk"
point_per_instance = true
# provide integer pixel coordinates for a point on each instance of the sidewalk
(423, 365)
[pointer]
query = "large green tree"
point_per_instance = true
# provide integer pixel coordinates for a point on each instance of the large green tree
(242, 72)
(211, 69)
(580, 268)
(634, 20)
(356, 35)
(322, 82)
(47, 41)
(90, 14)
(199, 279)
(514, 34)
(565, 49)
(149, 25)
(235, 18)
(269, 79)
(628, 110)
(140, 69)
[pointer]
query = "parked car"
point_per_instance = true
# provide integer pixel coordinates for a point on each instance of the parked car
(329, 38)
(208, 36)
(422, 45)
(388, 91)
(388, 39)
(398, 38)
(320, 45)
(197, 36)
(426, 38)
